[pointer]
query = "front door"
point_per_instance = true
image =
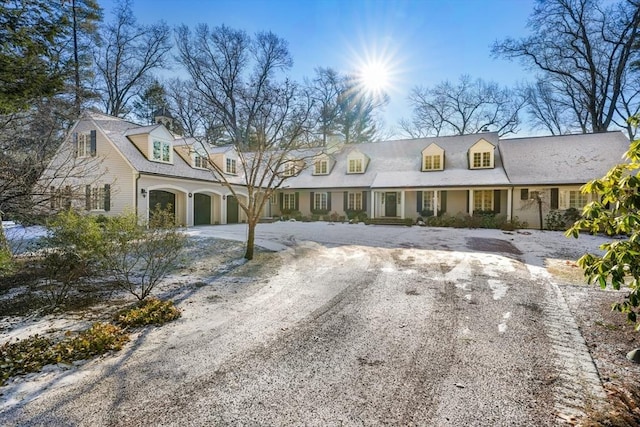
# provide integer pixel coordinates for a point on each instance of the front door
(201, 209)
(390, 200)
(232, 210)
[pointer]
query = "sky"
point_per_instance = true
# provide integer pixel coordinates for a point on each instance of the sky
(420, 42)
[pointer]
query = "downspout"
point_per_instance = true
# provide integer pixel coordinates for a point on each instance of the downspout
(137, 192)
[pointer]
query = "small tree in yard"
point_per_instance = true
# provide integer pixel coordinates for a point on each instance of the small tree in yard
(235, 77)
(139, 258)
(616, 213)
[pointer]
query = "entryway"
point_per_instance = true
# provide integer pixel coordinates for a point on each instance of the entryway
(390, 204)
(201, 209)
(232, 210)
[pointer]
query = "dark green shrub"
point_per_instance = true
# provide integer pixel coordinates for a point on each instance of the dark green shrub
(334, 217)
(33, 353)
(320, 212)
(149, 312)
(426, 213)
(555, 221)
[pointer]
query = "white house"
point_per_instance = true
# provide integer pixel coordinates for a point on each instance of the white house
(137, 167)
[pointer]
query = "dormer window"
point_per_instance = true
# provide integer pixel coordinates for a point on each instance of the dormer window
(482, 160)
(433, 158)
(321, 167)
(432, 163)
(481, 155)
(161, 151)
(199, 161)
(289, 168)
(357, 162)
(355, 166)
(231, 166)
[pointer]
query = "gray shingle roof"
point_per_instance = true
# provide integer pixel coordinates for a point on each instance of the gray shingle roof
(117, 129)
(567, 159)
(397, 164)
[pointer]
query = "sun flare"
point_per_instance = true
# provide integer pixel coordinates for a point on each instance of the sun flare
(375, 76)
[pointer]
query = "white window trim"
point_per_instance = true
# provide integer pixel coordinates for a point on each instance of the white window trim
(84, 145)
(231, 166)
(358, 165)
(320, 201)
(484, 206)
(319, 165)
(482, 155)
(163, 144)
(354, 201)
(433, 167)
(289, 201)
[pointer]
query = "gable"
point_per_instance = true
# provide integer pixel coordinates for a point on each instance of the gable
(357, 162)
(482, 155)
(432, 158)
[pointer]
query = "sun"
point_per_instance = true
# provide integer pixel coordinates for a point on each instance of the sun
(375, 76)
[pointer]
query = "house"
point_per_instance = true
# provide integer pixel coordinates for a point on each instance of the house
(139, 167)
(135, 167)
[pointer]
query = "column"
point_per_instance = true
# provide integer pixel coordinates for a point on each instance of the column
(509, 202)
(470, 202)
(402, 204)
(373, 204)
(435, 202)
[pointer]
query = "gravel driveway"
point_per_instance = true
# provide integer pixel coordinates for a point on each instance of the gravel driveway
(349, 325)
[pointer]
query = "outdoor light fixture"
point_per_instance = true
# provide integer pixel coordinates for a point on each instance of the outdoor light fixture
(224, 197)
(143, 192)
(190, 195)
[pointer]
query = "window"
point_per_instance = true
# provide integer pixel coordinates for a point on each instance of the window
(320, 201)
(355, 165)
(577, 200)
(273, 199)
(289, 168)
(84, 145)
(231, 166)
(289, 201)
(482, 160)
(161, 151)
(524, 194)
(321, 167)
(199, 161)
(433, 162)
(427, 201)
(354, 201)
(97, 198)
(483, 200)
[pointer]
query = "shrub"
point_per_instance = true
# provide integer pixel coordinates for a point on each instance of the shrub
(150, 312)
(334, 217)
(98, 339)
(426, 213)
(140, 258)
(74, 248)
(353, 214)
(31, 354)
(555, 221)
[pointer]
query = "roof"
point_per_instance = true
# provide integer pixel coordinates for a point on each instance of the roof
(117, 130)
(566, 159)
(397, 164)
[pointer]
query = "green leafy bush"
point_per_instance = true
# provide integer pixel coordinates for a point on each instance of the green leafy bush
(149, 312)
(33, 353)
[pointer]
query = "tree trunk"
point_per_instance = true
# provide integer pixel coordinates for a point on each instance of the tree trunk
(5, 251)
(251, 235)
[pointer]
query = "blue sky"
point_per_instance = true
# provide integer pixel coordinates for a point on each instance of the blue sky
(424, 41)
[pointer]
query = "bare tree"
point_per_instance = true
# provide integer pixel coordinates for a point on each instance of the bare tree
(127, 55)
(236, 77)
(325, 89)
(469, 106)
(584, 48)
(548, 110)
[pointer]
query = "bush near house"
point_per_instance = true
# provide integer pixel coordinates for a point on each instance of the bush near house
(561, 220)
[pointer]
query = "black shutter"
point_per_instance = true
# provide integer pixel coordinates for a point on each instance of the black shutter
(468, 194)
(345, 201)
(554, 198)
(419, 201)
(364, 201)
(496, 201)
(93, 143)
(75, 144)
(443, 201)
(524, 194)
(296, 206)
(311, 201)
(281, 200)
(87, 197)
(329, 200)
(107, 197)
